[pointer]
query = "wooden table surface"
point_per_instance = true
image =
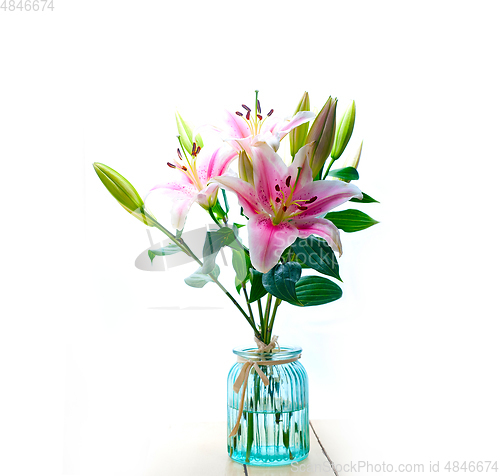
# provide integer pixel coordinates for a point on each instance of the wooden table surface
(200, 450)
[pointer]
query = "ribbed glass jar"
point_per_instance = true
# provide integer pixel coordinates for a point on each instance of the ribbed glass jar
(274, 426)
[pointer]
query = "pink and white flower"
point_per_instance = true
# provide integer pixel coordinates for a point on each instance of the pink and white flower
(246, 130)
(285, 204)
(192, 180)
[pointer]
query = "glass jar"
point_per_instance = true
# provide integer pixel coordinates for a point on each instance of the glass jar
(274, 425)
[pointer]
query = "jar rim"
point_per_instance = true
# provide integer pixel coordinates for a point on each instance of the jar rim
(284, 352)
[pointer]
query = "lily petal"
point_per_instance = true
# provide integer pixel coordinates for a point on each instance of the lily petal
(212, 164)
(329, 193)
(179, 211)
(181, 190)
(300, 118)
(267, 241)
(269, 171)
(320, 227)
(247, 195)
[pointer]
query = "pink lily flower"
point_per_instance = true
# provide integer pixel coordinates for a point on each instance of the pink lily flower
(246, 130)
(191, 181)
(285, 204)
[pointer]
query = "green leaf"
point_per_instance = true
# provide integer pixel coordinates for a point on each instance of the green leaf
(366, 199)
(345, 173)
(241, 264)
(316, 290)
(198, 279)
(214, 241)
(351, 220)
(280, 281)
(165, 251)
(315, 253)
(258, 290)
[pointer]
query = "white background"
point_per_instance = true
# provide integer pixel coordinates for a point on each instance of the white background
(96, 356)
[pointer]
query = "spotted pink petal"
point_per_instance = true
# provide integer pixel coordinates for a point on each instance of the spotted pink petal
(180, 190)
(237, 127)
(269, 171)
(320, 227)
(329, 193)
(267, 241)
(214, 163)
(247, 195)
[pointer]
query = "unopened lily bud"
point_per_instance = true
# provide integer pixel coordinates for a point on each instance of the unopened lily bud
(186, 134)
(344, 131)
(245, 168)
(354, 161)
(322, 132)
(299, 134)
(123, 191)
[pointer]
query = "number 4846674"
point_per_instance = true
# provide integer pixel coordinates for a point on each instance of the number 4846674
(27, 5)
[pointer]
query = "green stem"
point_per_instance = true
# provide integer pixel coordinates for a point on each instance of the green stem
(214, 218)
(184, 247)
(328, 168)
(248, 304)
(266, 317)
(270, 330)
(261, 315)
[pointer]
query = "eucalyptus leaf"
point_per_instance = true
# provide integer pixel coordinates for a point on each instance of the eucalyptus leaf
(168, 250)
(198, 279)
(345, 173)
(280, 281)
(316, 290)
(351, 220)
(315, 253)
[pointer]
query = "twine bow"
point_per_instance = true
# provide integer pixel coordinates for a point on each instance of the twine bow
(242, 379)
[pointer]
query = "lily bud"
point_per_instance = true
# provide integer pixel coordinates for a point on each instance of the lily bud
(322, 132)
(245, 168)
(354, 162)
(299, 134)
(123, 191)
(344, 131)
(186, 134)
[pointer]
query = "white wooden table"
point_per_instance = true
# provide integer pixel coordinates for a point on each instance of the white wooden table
(200, 449)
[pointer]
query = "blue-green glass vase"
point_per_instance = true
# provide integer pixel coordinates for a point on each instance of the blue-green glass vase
(274, 426)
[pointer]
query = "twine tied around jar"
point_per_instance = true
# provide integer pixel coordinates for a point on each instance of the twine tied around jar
(242, 379)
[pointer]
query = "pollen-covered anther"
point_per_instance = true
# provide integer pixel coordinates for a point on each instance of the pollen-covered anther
(193, 151)
(172, 166)
(300, 207)
(179, 154)
(277, 188)
(260, 117)
(198, 150)
(311, 200)
(287, 181)
(246, 108)
(270, 112)
(258, 107)
(184, 168)
(248, 116)
(238, 113)
(285, 208)
(278, 199)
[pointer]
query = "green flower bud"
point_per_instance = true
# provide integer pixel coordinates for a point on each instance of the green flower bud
(245, 168)
(123, 191)
(344, 131)
(186, 134)
(322, 132)
(299, 134)
(354, 162)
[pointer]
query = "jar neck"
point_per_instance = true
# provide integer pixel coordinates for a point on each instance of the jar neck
(253, 353)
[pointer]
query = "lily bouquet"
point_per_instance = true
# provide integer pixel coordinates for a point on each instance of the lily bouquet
(285, 205)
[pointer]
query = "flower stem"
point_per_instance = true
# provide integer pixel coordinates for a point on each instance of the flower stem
(184, 247)
(248, 303)
(270, 331)
(266, 318)
(261, 315)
